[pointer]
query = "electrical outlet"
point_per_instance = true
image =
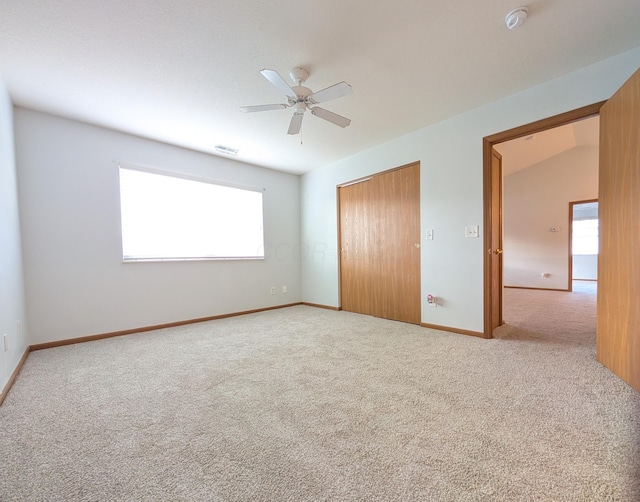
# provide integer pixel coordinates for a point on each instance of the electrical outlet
(273, 290)
(432, 301)
(284, 289)
(5, 342)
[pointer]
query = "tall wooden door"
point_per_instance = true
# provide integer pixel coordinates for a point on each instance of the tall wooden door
(618, 324)
(380, 245)
(356, 258)
(496, 239)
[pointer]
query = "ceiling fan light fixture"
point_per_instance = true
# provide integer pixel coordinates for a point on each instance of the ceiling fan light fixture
(516, 17)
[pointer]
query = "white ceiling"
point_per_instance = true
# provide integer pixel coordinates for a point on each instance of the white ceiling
(178, 70)
(520, 153)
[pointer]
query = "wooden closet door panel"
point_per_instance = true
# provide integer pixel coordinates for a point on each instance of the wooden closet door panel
(396, 232)
(355, 259)
(380, 245)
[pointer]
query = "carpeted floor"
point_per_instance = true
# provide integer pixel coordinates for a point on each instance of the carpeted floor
(305, 404)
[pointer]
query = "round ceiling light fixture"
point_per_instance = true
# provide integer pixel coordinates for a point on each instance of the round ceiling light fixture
(516, 17)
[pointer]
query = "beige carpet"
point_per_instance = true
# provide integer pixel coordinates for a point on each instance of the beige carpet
(303, 404)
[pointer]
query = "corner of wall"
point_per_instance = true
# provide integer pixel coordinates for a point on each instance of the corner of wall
(14, 343)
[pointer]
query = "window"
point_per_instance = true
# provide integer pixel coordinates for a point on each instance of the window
(167, 217)
(585, 236)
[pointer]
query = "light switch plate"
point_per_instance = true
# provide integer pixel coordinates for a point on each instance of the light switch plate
(429, 234)
(471, 232)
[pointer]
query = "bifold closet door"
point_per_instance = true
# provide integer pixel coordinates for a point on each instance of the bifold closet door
(356, 258)
(380, 245)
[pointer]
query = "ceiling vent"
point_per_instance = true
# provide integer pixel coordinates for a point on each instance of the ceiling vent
(227, 150)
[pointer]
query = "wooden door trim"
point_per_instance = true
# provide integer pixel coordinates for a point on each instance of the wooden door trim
(571, 204)
(487, 145)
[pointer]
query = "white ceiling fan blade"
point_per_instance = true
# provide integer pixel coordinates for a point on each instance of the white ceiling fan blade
(334, 118)
(275, 78)
(262, 108)
(296, 123)
(333, 92)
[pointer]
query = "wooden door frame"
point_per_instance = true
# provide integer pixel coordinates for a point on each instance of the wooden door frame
(571, 205)
(487, 144)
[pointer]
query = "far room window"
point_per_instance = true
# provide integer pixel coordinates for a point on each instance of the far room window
(585, 237)
(169, 217)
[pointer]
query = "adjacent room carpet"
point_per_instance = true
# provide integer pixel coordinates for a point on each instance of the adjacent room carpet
(306, 404)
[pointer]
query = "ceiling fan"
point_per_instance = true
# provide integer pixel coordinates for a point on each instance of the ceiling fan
(303, 98)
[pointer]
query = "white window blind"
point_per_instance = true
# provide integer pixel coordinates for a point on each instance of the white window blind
(166, 217)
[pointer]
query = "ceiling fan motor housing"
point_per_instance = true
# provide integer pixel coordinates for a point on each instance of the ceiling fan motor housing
(299, 75)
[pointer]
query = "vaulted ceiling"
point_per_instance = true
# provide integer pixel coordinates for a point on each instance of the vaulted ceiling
(520, 153)
(179, 70)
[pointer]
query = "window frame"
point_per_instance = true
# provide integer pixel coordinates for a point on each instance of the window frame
(136, 258)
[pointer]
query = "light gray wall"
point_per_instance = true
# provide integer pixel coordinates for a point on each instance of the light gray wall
(585, 267)
(537, 199)
(12, 300)
(76, 283)
(450, 155)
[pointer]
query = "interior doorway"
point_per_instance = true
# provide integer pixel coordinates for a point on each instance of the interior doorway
(543, 174)
(493, 219)
(618, 295)
(583, 240)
